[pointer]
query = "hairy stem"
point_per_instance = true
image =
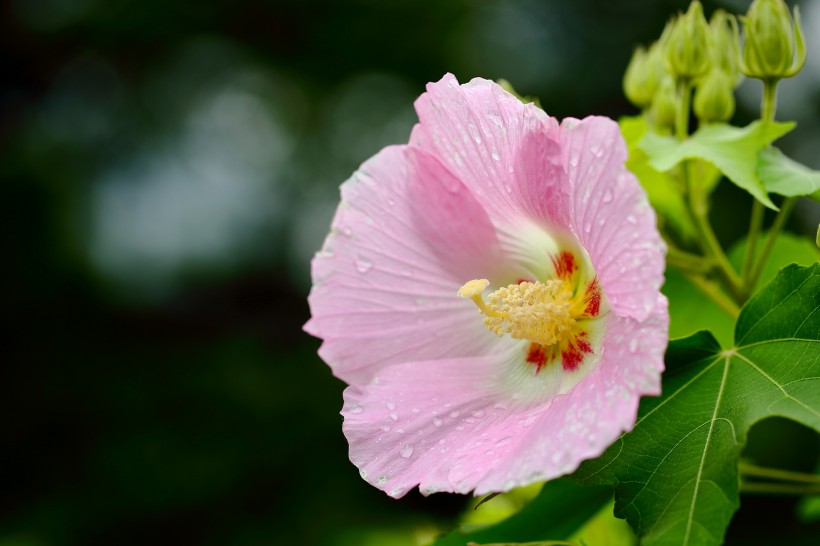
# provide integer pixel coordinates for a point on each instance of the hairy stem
(779, 488)
(711, 289)
(755, 225)
(748, 469)
(771, 239)
(697, 205)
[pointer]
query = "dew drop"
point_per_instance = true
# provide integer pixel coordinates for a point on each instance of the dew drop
(400, 430)
(394, 416)
(355, 408)
(478, 413)
(633, 345)
(631, 219)
(437, 422)
(406, 451)
(383, 479)
(416, 410)
(477, 139)
(454, 414)
(608, 196)
(363, 473)
(391, 406)
(496, 157)
(385, 428)
(363, 265)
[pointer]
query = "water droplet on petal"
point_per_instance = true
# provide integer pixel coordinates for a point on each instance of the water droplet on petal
(394, 416)
(363, 265)
(363, 473)
(355, 408)
(454, 414)
(437, 422)
(385, 428)
(631, 219)
(383, 479)
(633, 345)
(608, 196)
(406, 451)
(478, 413)
(391, 406)
(496, 157)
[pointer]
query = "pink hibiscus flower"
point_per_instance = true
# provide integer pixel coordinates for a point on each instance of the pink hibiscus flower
(553, 240)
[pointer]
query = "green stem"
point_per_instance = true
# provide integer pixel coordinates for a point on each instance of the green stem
(688, 262)
(779, 221)
(748, 469)
(779, 488)
(697, 206)
(715, 293)
(768, 106)
(769, 103)
(755, 225)
(682, 115)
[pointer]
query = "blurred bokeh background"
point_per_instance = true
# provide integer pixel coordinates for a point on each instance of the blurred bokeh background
(169, 168)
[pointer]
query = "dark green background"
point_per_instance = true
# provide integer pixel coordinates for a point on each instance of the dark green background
(168, 168)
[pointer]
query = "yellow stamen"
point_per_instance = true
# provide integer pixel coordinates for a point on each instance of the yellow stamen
(541, 312)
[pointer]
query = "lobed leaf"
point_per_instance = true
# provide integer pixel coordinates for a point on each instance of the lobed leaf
(785, 176)
(733, 150)
(675, 475)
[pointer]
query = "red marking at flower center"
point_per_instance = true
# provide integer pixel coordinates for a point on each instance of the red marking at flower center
(565, 265)
(573, 354)
(537, 355)
(593, 299)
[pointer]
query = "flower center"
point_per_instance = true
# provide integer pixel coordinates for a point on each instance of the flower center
(544, 313)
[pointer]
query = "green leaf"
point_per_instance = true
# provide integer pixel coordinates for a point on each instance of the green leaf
(733, 150)
(675, 475)
(555, 514)
(661, 189)
(785, 176)
(690, 310)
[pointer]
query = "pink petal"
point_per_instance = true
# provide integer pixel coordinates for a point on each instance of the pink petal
(408, 426)
(445, 426)
(611, 216)
(406, 236)
(583, 423)
(504, 151)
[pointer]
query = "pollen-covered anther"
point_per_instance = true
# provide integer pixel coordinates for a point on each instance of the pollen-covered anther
(541, 312)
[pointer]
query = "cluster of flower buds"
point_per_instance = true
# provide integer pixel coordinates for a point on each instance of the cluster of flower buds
(706, 56)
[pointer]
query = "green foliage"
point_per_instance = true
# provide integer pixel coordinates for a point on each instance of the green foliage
(558, 512)
(785, 176)
(691, 311)
(788, 249)
(660, 187)
(733, 150)
(675, 475)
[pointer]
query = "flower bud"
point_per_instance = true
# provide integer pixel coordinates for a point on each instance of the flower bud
(643, 75)
(664, 105)
(774, 46)
(714, 97)
(687, 49)
(726, 45)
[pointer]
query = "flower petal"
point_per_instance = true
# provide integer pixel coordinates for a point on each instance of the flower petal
(611, 216)
(583, 423)
(405, 237)
(506, 152)
(414, 421)
(460, 432)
